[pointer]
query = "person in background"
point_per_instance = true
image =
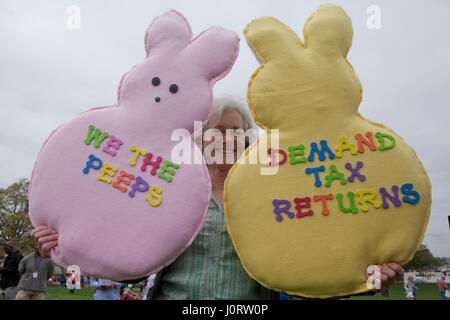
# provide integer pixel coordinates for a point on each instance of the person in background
(410, 288)
(34, 272)
(105, 289)
(62, 280)
(150, 283)
(9, 272)
(86, 282)
(71, 281)
(285, 296)
(442, 287)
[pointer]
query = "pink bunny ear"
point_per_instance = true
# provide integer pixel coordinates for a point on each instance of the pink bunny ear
(214, 51)
(168, 32)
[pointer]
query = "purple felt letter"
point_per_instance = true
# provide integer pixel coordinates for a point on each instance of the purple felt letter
(277, 210)
(140, 185)
(355, 172)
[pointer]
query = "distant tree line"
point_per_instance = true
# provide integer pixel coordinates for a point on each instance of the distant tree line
(423, 259)
(15, 224)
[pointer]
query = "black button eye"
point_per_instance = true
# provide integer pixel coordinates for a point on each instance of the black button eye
(156, 81)
(173, 88)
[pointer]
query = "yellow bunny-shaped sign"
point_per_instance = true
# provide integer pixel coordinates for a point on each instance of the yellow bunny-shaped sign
(347, 193)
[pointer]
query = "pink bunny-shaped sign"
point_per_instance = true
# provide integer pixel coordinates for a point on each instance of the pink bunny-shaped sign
(106, 182)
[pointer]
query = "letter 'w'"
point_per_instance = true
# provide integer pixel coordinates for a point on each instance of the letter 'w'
(97, 135)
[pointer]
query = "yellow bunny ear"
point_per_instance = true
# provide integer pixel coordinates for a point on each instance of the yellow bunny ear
(271, 39)
(329, 31)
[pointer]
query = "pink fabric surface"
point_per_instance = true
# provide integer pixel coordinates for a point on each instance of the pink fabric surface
(101, 229)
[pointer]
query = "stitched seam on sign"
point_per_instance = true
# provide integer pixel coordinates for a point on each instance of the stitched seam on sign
(428, 184)
(147, 44)
(48, 139)
(249, 100)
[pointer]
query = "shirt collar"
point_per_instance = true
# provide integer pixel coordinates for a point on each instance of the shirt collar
(214, 204)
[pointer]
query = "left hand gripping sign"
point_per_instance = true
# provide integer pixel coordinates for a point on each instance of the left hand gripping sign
(348, 193)
(105, 181)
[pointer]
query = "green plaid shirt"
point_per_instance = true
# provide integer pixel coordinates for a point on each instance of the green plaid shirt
(210, 268)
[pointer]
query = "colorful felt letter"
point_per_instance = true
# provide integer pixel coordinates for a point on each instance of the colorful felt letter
(302, 203)
(344, 145)
(139, 185)
(324, 198)
(295, 151)
(108, 169)
(321, 152)
(367, 195)
(395, 200)
(154, 192)
(273, 157)
(380, 136)
(96, 136)
(154, 164)
(355, 172)
(369, 143)
(285, 209)
(334, 174)
(121, 178)
(316, 170)
(138, 152)
(407, 190)
(165, 168)
(90, 163)
(352, 207)
(114, 143)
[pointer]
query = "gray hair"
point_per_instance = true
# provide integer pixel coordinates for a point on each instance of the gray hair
(228, 103)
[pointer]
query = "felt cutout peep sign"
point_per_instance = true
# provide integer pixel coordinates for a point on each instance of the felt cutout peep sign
(106, 181)
(347, 193)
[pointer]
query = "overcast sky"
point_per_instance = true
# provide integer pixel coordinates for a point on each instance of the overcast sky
(49, 73)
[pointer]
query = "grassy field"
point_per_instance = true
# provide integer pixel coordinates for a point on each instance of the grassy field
(57, 293)
(396, 292)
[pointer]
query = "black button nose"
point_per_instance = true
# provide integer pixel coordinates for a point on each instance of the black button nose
(157, 99)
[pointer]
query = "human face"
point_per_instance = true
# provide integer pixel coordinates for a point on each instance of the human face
(229, 120)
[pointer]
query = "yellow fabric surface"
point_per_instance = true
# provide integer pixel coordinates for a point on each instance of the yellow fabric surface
(310, 92)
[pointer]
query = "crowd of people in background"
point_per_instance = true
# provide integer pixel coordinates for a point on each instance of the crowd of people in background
(27, 278)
